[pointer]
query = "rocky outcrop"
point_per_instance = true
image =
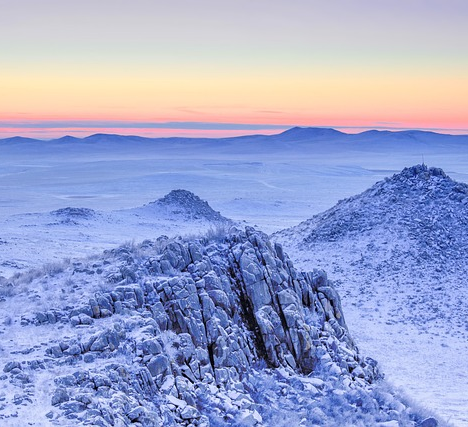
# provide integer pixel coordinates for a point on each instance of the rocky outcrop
(206, 333)
(185, 203)
(407, 231)
(421, 203)
(69, 212)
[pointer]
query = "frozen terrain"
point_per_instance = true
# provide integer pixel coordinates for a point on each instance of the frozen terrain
(272, 181)
(73, 197)
(196, 333)
(32, 239)
(404, 243)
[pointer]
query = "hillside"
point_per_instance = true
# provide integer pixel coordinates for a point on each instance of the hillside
(404, 243)
(194, 333)
(182, 205)
(33, 239)
(416, 219)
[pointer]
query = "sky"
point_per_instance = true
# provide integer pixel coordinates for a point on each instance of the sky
(220, 68)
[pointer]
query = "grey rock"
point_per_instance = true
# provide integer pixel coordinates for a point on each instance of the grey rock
(86, 399)
(105, 302)
(74, 350)
(220, 299)
(101, 381)
(51, 318)
(85, 319)
(189, 412)
(41, 317)
(196, 251)
(72, 406)
(75, 320)
(136, 413)
(428, 422)
(60, 395)
(100, 343)
(105, 313)
(151, 347)
(66, 380)
(89, 358)
(96, 311)
(10, 366)
(113, 340)
(55, 351)
(158, 365)
(139, 295)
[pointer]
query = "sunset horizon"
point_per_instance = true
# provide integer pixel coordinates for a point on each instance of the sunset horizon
(269, 65)
(55, 130)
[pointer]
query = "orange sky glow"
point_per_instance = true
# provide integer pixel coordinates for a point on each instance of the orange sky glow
(356, 67)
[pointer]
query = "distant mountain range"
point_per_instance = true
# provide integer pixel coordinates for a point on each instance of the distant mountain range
(293, 134)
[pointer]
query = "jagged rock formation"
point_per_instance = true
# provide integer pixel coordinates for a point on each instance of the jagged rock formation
(185, 203)
(192, 333)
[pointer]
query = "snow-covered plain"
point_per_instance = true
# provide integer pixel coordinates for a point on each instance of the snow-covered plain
(272, 182)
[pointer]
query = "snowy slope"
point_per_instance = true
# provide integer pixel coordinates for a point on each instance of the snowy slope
(32, 239)
(178, 205)
(192, 333)
(399, 255)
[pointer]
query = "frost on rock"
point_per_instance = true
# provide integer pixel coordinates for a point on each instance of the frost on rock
(420, 203)
(194, 333)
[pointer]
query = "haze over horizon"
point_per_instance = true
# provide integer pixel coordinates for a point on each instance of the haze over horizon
(219, 133)
(223, 69)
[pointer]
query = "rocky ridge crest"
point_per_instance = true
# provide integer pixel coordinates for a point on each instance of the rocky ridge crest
(191, 333)
(420, 204)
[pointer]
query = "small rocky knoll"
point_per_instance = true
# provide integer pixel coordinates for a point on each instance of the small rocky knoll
(404, 239)
(185, 203)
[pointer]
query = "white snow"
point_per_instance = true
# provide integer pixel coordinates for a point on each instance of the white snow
(398, 255)
(271, 182)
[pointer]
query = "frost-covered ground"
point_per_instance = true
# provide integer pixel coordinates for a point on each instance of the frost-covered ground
(214, 332)
(398, 254)
(32, 239)
(271, 182)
